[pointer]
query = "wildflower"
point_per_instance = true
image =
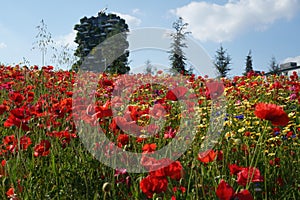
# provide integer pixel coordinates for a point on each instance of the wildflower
(207, 156)
(25, 142)
(3, 108)
(42, 149)
(176, 93)
(120, 171)
(244, 195)
(122, 140)
(224, 191)
(273, 113)
(11, 194)
(174, 170)
(149, 148)
(248, 174)
(153, 184)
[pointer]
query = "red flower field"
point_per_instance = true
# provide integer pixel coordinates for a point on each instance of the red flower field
(256, 155)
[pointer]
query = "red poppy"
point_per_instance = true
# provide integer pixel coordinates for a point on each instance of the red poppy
(157, 111)
(11, 143)
(18, 117)
(149, 162)
(3, 108)
(3, 163)
(122, 140)
(273, 113)
(234, 169)
(64, 136)
(10, 193)
(153, 184)
(25, 142)
(214, 89)
(147, 148)
(248, 174)
(104, 111)
(224, 191)
(244, 195)
(174, 170)
(207, 156)
(2, 170)
(177, 93)
(42, 149)
(16, 97)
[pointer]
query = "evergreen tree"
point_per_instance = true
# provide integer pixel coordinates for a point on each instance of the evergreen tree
(274, 67)
(249, 67)
(96, 30)
(177, 56)
(222, 62)
(150, 69)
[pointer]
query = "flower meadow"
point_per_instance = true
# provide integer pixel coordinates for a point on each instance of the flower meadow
(42, 155)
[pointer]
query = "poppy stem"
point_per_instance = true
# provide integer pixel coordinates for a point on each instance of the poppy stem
(258, 143)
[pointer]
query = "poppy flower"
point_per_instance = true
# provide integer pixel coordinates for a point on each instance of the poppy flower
(244, 195)
(176, 93)
(16, 97)
(248, 174)
(158, 111)
(42, 149)
(120, 171)
(149, 148)
(2, 170)
(104, 111)
(207, 156)
(25, 142)
(234, 169)
(122, 140)
(3, 108)
(174, 170)
(11, 143)
(152, 184)
(224, 191)
(18, 117)
(214, 89)
(273, 113)
(10, 193)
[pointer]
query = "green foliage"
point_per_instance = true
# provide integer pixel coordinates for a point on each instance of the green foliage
(97, 53)
(249, 67)
(177, 56)
(222, 62)
(274, 67)
(150, 69)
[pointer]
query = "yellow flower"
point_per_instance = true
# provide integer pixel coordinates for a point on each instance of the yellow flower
(241, 130)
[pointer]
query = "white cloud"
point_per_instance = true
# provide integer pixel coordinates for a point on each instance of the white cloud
(2, 45)
(219, 23)
(130, 20)
(67, 39)
(292, 59)
(136, 11)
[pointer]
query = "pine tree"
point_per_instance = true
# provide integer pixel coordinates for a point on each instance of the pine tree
(150, 69)
(249, 67)
(177, 56)
(274, 67)
(222, 62)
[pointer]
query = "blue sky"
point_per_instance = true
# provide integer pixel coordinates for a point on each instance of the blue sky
(267, 27)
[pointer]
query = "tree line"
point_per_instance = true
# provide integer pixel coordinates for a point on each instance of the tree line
(95, 30)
